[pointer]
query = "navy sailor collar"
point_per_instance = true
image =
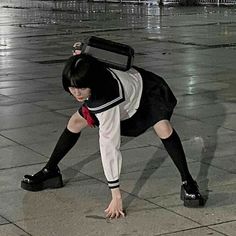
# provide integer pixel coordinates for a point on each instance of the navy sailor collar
(111, 95)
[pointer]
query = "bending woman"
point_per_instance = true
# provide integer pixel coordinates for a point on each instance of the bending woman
(119, 103)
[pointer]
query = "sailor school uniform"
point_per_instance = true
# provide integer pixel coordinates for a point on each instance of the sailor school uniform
(134, 101)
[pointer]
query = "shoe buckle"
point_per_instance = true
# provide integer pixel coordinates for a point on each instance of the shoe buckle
(27, 180)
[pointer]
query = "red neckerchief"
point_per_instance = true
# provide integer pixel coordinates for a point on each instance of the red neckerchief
(87, 116)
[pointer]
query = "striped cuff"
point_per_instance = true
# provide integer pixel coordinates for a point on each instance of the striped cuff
(113, 184)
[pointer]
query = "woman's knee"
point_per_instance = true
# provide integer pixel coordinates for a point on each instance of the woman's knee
(76, 123)
(163, 129)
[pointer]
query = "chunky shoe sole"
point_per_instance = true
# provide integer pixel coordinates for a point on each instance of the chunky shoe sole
(200, 202)
(55, 182)
(191, 202)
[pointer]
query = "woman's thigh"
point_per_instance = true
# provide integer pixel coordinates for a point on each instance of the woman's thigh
(76, 123)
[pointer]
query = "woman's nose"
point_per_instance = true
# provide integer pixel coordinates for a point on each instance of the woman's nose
(77, 92)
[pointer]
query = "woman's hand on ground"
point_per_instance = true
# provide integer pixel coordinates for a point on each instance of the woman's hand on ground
(115, 208)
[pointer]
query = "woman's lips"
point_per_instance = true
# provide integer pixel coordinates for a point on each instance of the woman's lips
(80, 98)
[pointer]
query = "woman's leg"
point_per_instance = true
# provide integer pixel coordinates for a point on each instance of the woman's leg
(171, 141)
(67, 140)
(50, 176)
(173, 146)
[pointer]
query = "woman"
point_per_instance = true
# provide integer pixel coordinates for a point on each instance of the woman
(119, 103)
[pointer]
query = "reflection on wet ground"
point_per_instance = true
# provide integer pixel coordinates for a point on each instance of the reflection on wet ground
(193, 48)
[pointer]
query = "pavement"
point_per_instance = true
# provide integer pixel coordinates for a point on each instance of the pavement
(193, 48)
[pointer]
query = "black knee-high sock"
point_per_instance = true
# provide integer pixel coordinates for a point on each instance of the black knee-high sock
(174, 148)
(66, 141)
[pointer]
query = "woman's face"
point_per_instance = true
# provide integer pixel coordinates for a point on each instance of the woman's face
(80, 94)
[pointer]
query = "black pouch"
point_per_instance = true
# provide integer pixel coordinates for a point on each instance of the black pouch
(114, 55)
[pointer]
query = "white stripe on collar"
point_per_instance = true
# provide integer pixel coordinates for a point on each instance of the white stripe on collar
(108, 104)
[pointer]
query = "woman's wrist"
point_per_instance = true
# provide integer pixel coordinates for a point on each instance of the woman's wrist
(115, 192)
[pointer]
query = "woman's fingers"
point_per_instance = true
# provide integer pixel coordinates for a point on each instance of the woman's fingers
(115, 209)
(114, 213)
(122, 213)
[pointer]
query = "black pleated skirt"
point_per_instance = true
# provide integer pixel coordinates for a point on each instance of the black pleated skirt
(157, 103)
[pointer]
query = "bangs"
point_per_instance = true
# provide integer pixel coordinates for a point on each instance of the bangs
(76, 73)
(84, 71)
(73, 81)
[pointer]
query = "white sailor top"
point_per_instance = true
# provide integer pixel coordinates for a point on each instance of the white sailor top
(127, 91)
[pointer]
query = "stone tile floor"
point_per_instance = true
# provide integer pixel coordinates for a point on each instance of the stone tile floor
(194, 49)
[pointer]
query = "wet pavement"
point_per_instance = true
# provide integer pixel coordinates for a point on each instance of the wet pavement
(194, 49)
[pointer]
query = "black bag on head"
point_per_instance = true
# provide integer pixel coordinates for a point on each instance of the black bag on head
(114, 55)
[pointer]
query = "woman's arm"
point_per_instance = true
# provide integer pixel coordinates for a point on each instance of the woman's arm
(109, 140)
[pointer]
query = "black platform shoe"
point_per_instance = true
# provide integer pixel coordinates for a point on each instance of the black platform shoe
(45, 178)
(190, 194)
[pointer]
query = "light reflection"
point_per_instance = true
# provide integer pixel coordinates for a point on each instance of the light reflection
(4, 46)
(61, 12)
(192, 80)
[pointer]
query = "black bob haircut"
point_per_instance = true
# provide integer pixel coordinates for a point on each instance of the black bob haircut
(84, 71)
